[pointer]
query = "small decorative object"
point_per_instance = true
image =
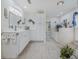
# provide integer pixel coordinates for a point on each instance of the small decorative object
(27, 28)
(30, 20)
(57, 27)
(18, 22)
(11, 26)
(6, 13)
(66, 52)
(74, 20)
(29, 1)
(24, 21)
(65, 23)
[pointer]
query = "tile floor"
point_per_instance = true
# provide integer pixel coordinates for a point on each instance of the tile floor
(41, 50)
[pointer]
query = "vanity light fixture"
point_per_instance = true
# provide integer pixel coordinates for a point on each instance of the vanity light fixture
(15, 11)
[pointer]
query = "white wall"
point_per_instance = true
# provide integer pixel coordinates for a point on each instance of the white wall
(7, 4)
(69, 17)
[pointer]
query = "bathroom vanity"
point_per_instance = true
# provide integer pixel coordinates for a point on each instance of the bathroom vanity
(13, 43)
(66, 35)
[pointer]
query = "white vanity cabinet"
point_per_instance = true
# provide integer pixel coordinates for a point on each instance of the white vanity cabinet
(23, 39)
(13, 43)
(9, 45)
(66, 35)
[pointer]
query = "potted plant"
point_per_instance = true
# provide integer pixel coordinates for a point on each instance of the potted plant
(66, 52)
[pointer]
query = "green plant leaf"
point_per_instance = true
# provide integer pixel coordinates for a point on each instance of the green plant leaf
(66, 52)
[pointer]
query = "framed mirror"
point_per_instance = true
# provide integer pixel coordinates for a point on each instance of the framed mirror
(14, 20)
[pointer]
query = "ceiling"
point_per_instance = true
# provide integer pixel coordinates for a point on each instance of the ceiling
(50, 7)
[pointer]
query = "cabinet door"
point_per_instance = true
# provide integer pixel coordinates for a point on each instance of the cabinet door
(13, 19)
(23, 39)
(9, 50)
(65, 35)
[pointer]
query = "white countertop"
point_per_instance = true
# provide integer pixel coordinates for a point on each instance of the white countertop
(16, 31)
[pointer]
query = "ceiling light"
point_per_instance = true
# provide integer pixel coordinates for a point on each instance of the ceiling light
(60, 3)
